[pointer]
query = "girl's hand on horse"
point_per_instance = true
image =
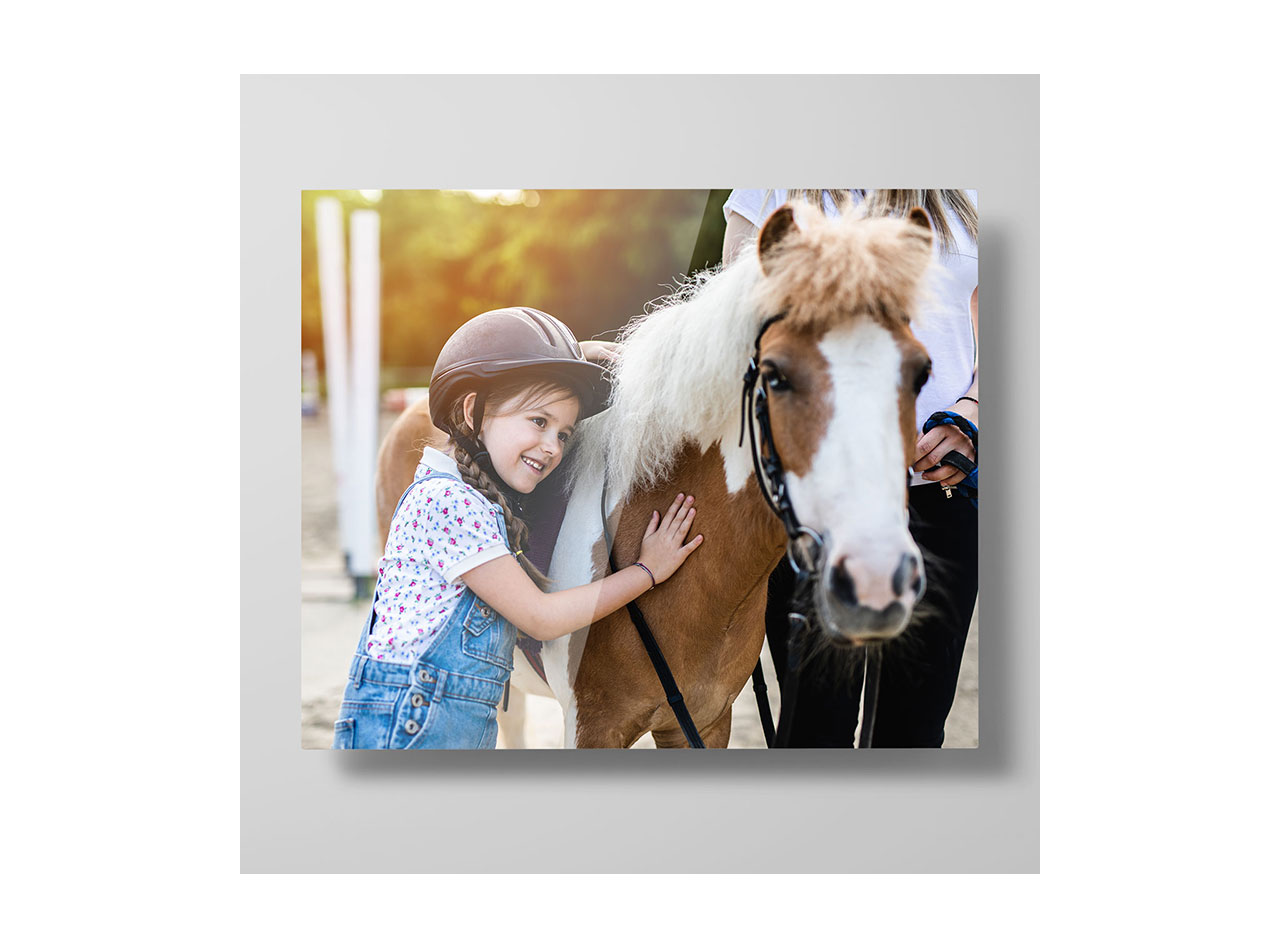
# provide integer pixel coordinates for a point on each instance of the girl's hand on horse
(504, 585)
(663, 549)
(933, 447)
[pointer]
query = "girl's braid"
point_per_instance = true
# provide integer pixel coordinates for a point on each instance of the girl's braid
(517, 530)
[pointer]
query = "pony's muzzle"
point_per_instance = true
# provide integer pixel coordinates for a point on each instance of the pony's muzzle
(867, 600)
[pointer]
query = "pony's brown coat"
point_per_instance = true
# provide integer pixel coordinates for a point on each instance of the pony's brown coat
(798, 417)
(707, 617)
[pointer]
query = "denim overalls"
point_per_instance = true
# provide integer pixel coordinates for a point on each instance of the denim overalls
(448, 698)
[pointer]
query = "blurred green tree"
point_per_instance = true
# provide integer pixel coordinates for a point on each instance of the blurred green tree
(591, 258)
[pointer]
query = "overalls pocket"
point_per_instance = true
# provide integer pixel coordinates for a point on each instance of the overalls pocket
(487, 636)
(344, 732)
(370, 707)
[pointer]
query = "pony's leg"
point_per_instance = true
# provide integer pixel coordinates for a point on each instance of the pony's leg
(511, 722)
(717, 735)
(598, 733)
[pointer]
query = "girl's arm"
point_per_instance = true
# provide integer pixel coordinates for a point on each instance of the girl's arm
(503, 584)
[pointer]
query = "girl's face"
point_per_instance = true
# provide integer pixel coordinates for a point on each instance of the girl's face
(526, 438)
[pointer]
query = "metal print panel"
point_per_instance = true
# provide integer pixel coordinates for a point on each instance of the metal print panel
(639, 468)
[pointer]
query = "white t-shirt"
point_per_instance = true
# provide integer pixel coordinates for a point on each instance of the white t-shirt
(441, 530)
(944, 325)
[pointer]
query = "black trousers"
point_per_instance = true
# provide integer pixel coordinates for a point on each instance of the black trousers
(919, 670)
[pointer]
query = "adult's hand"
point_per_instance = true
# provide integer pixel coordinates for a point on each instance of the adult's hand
(931, 448)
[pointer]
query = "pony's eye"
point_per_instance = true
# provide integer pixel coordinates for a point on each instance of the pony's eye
(774, 378)
(923, 376)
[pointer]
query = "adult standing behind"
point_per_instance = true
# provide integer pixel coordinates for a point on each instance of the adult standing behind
(919, 675)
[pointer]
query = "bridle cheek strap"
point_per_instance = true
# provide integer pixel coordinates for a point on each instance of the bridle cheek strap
(764, 455)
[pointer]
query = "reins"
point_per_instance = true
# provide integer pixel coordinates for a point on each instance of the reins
(659, 662)
(675, 700)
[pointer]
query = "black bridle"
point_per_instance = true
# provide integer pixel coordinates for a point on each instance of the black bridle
(804, 551)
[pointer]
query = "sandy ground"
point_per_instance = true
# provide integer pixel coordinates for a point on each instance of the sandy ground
(331, 623)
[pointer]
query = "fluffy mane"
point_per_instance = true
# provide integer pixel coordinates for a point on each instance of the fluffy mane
(824, 270)
(679, 375)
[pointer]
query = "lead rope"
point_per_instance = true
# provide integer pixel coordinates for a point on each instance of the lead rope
(870, 692)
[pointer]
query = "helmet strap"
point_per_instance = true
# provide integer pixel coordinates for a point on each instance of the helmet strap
(480, 454)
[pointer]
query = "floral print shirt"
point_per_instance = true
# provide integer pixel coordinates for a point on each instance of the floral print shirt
(442, 529)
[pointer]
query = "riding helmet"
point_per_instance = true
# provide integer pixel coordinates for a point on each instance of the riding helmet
(505, 340)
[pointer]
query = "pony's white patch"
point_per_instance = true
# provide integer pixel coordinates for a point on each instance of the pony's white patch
(853, 489)
(738, 467)
(555, 662)
(571, 723)
(572, 565)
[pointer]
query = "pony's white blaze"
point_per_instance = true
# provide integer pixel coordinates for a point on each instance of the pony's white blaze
(853, 491)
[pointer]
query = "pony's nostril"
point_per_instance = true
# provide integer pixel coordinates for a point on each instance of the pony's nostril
(843, 586)
(902, 573)
(908, 574)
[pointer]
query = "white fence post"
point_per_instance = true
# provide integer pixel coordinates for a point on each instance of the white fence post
(366, 315)
(331, 250)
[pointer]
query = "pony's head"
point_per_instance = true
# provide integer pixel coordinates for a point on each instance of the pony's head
(843, 370)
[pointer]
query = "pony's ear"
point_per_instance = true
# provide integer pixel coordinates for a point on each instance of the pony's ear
(918, 217)
(780, 224)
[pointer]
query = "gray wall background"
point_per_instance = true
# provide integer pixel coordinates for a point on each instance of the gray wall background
(604, 811)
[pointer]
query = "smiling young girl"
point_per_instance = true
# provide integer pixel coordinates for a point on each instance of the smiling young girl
(454, 584)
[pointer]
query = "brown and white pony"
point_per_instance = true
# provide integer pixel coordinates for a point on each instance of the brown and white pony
(843, 370)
